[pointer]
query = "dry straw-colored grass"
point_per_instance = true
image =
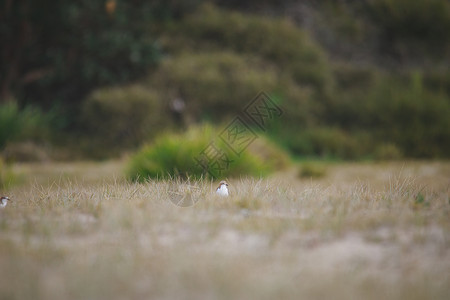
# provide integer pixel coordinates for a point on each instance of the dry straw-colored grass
(363, 231)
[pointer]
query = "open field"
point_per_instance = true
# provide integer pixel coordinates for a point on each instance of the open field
(363, 231)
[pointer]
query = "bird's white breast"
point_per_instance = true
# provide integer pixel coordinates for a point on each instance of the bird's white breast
(222, 190)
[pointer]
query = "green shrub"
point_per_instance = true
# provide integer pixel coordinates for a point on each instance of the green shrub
(121, 118)
(277, 41)
(354, 77)
(398, 110)
(343, 19)
(410, 116)
(238, 55)
(16, 124)
(312, 170)
(418, 26)
(218, 85)
(175, 155)
(387, 152)
(437, 80)
(325, 142)
(215, 86)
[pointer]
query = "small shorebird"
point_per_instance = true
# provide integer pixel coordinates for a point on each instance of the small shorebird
(222, 189)
(4, 201)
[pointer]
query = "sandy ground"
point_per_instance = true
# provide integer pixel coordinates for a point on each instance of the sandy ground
(80, 231)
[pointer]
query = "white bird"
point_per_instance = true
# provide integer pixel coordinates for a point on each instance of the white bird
(4, 201)
(222, 190)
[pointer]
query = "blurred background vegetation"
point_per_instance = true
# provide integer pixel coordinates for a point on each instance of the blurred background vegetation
(98, 79)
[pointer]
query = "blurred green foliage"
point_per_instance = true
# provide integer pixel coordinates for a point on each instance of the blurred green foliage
(399, 111)
(115, 69)
(325, 142)
(387, 152)
(413, 27)
(213, 84)
(57, 51)
(277, 41)
(7, 176)
(312, 170)
(174, 155)
(121, 118)
(28, 123)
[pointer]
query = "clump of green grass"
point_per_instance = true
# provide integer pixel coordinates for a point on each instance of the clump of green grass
(7, 176)
(312, 170)
(180, 155)
(388, 152)
(420, 201)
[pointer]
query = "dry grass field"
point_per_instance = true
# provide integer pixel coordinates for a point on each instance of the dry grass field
(362, 231)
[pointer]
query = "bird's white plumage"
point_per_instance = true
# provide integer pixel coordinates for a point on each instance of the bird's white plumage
(4, 202)
(222, 190)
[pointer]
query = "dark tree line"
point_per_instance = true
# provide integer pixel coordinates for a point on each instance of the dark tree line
(58, 50)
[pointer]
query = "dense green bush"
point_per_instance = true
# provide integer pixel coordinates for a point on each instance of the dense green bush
(414, 118)
(277, 41)
(122, 118)
(27, 123)
(437, 80)
(325, 142)
(174, 155)
(343, 19)
(387, 152)
(397, 111)
(214, 85)
(351, 77)
(413, 27)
